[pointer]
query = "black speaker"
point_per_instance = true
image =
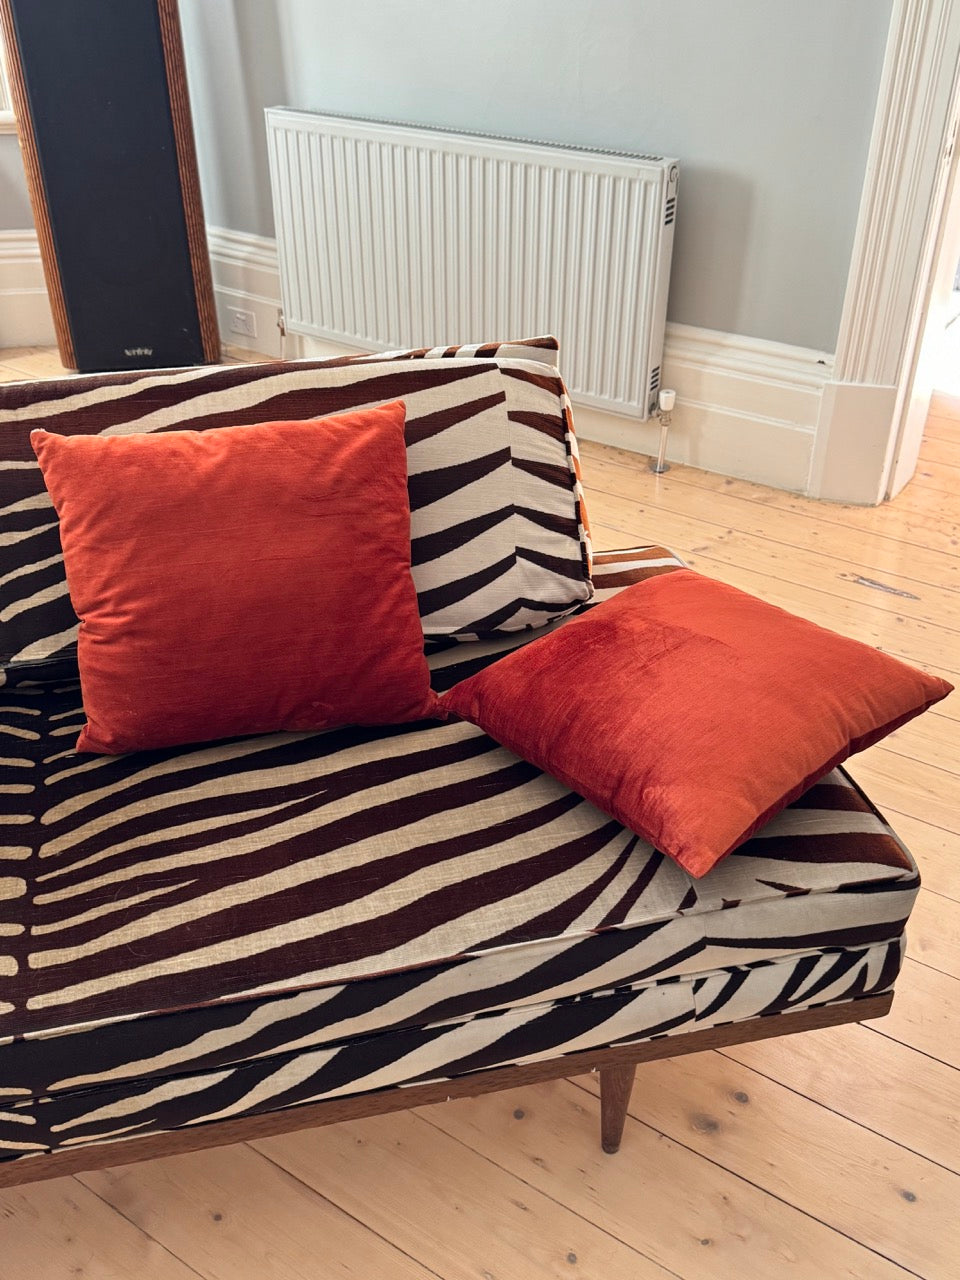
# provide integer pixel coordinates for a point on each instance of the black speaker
(100, 94)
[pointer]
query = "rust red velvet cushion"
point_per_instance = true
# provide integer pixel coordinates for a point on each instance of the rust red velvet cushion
(691, 711)
(241, 580)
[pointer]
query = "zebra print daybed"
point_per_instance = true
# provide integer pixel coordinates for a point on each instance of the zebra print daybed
(202, 944)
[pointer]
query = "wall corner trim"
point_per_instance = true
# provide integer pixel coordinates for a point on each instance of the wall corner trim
(853, 428)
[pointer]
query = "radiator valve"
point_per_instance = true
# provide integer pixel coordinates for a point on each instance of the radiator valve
(665, 413)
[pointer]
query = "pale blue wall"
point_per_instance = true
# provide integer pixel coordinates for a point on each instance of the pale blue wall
(14, 203)
(767, 103)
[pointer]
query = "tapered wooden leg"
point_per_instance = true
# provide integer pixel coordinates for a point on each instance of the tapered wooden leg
(615, 1086)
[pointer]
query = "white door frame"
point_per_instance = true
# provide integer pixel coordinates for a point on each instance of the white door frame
(927, 334)
(901, 211)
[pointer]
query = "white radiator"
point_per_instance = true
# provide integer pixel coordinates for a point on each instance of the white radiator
(396, 236)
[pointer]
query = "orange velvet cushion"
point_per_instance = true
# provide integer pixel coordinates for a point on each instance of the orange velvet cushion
(241, 580)
(691, 711)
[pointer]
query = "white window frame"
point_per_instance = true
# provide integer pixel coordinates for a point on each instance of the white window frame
(8, 121)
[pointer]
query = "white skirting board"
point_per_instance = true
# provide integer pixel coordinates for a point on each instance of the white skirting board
(25, 316)
(246, 277)
(745, 407)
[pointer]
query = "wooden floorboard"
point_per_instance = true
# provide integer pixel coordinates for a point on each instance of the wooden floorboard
(831, 1154)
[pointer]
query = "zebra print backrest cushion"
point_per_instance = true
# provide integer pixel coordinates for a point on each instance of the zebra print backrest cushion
(499, 538)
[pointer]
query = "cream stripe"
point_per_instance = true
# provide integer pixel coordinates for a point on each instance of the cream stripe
(47, 645)
(223, 400)
(105, 909)
(55, 591)
(31, 503)
(95, 762)
(194, 859)
(287, 1077)
(478, 1034)
(13, 536)
(820, 822)
(32, 566)
(165, 1092)
(17, 1117)
(212, 1041)
(106, 1135)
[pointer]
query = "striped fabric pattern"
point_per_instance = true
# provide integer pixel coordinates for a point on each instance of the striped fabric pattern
(499, 535)
(419, 1054)
(256, 924)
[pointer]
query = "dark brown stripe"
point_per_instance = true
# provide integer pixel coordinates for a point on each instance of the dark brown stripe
(607, 581)
(563, 566)
(832, 796)
(559, 476)
(432, 424)
(545, 381)
(426, 487)
(550, 521)
(840, 847)
(442, 597)
(547, 424)
(433, 545)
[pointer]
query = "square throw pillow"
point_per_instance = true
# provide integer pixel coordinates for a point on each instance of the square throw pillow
(691, 711)
(210, 576)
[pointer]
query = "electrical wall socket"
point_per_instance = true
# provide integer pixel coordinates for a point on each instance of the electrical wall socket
(244, 322)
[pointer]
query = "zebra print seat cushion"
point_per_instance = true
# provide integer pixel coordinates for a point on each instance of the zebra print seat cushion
(499, 536)
(191, 935)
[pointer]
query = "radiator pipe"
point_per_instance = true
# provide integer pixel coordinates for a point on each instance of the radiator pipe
(665, 405)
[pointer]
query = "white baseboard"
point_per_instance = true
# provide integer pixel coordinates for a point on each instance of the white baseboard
(25, 316)
(246, 276)
(745, 407)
